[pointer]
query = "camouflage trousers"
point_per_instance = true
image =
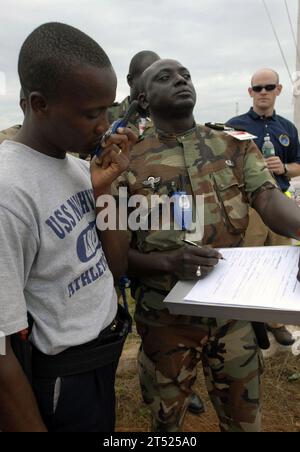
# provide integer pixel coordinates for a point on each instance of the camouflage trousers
(171, 348)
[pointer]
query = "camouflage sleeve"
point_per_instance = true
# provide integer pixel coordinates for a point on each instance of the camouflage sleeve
(256, 174)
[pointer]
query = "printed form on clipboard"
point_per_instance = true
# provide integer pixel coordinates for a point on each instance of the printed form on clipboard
(251, 284)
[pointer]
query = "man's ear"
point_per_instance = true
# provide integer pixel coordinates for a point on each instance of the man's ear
(143, 102)
(250, 91)
(279, 89)
(129, 80)
(38, 103)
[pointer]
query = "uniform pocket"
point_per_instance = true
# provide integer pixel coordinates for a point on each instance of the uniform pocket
(156, 223)
(233, 202)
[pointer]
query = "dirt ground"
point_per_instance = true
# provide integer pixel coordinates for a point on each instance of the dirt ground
(281, 407)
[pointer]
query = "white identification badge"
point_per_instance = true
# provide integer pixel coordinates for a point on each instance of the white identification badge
(242, 136)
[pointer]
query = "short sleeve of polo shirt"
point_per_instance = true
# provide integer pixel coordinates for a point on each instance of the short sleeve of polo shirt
(256, 173)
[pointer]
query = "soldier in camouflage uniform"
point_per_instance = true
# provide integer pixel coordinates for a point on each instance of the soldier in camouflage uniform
(142, 126)
(231, 175)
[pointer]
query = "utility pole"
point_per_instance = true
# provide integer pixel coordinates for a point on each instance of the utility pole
(297, 88)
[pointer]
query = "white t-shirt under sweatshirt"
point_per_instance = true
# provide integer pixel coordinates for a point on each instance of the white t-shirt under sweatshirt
(51, 259)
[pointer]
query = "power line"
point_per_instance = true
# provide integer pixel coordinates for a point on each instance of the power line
(292, 29)
(278, 41)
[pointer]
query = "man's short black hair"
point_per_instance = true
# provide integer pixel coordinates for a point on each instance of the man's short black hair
(50, 53)
(141, 61)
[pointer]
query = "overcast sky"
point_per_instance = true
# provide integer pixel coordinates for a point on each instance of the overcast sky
(221, 42)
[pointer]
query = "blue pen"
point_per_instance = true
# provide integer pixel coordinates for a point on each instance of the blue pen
(122, 122)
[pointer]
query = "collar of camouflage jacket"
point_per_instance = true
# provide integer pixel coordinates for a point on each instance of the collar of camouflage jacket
(165, 136)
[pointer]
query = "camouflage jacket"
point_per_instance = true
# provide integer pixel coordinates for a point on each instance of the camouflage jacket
(8, 134)
(228, 172)
(118, 110)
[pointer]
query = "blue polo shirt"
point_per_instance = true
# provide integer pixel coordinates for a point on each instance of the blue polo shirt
(283, 134)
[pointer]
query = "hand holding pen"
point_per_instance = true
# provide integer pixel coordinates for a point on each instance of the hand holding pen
(190, 263)
(208, 256)
(188, 242)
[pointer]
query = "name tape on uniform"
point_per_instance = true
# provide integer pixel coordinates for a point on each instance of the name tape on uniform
(242, 136)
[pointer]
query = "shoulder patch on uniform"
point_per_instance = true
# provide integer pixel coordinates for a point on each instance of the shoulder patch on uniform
(284, 140)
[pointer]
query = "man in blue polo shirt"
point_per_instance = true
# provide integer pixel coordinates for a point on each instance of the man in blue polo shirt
(261, 121)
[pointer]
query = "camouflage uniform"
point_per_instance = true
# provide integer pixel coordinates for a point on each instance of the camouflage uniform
(230, 174)
(8, 134)
(118, 110)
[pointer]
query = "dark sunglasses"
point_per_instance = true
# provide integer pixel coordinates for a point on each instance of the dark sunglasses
(259, 88)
